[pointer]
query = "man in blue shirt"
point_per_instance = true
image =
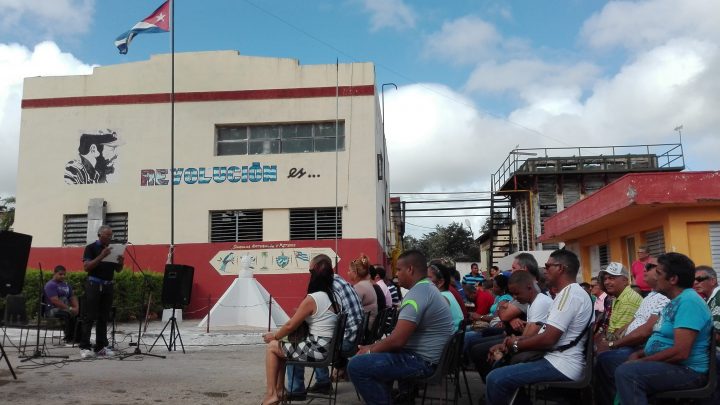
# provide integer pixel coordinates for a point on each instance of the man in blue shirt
(60, 302)
(676, 355)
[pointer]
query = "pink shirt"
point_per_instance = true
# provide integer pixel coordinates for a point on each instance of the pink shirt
(638, 268)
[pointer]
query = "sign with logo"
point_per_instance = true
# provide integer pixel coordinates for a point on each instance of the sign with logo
(283, 260)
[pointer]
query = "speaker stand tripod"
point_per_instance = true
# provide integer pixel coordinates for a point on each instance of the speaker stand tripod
(39, 353)
(141, 319)
(174, 334)
(7, 360)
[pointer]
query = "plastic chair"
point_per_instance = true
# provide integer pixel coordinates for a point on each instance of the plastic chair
(697, 393)
(330, 360)
(448, 366)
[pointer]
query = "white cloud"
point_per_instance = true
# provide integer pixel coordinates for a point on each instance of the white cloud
(467, 39)
(470, 39)
(645, 24)
(16, 63)
(390, 14)
(525, 76)
(48, 17)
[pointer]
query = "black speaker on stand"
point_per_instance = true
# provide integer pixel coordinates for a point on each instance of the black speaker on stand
(14, 254)
(176, 292)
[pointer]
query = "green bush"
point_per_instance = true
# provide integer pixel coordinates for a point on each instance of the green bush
(129, 289)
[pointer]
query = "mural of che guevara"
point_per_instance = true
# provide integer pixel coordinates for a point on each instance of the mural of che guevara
(96, 159)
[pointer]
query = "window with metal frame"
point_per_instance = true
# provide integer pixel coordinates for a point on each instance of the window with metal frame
(74, 229)
(279, 138)
(715, 244)
(655, 242)
(118, 221)
(236, 226)
(315, 223)
(604, 255)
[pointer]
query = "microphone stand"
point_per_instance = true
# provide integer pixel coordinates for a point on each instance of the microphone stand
(141, 319)
(39, 353)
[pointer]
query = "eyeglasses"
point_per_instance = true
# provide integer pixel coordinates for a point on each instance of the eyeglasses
(650, 266)
(701, 278)
(548, 265)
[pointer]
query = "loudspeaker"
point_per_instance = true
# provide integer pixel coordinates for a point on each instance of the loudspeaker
(177, 285)
(14, 254)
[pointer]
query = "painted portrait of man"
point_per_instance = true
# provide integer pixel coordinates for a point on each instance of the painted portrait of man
(97, 156)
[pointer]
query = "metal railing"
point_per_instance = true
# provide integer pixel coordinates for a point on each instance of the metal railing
(589, 159)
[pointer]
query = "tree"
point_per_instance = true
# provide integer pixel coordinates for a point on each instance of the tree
(453, 241)
(7, 213)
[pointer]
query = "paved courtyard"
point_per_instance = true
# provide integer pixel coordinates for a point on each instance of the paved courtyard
(223, 366)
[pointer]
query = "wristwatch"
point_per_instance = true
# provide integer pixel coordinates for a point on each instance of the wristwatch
(611, 344)
(515, 346)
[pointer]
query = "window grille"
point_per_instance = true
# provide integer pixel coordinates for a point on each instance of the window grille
(315, 223)
(236, 226)
(279, 138)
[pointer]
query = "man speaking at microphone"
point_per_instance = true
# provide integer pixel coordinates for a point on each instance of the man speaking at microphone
(98, 293)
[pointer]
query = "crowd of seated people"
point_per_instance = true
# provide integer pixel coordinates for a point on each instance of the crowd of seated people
(528, 325)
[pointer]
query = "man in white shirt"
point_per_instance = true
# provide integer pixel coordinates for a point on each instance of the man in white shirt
(563, 335)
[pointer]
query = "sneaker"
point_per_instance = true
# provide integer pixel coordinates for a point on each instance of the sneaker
(87, 354)
(105, 352)
(321, 388)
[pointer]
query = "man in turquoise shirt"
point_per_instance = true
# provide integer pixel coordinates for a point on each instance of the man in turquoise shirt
(676, 355)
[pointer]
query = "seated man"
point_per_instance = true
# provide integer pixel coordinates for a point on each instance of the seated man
(611, 354)
(563, 336)
(60, 302)
(615, 278)
(522, 288)
(676, 355)
(514, 313)
(706, 284)
(415, 345)
(474, 277)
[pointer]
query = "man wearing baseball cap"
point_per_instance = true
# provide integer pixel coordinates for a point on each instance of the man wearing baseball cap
(615, 277)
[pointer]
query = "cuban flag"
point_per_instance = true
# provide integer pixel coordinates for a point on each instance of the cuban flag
(158, 21)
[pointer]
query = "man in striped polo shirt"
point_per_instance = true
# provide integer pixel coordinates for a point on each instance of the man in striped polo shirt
(474, 277)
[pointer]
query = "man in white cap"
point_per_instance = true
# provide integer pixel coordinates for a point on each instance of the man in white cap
(616, 279)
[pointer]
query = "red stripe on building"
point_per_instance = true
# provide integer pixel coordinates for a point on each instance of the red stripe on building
(200, 96)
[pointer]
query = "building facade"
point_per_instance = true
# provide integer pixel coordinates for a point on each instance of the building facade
(667, 212)
(271, 159)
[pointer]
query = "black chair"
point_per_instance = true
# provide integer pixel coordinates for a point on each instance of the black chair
(696, 393)
(16, 317)
(330, 360)
(447, 369)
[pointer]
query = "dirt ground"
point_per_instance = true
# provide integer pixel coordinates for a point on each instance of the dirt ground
(221, 367)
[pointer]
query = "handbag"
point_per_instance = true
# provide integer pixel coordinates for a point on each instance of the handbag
(299, 334)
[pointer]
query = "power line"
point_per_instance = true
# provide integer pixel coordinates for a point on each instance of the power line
(447, 216)
(447, 192)
(448, 208)
(393, 71)
(445, 201)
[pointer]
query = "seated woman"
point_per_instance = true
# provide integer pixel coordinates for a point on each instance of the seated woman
(495, 328)
(440, 276)
(359, 277)
(319, 310)
(676, 356)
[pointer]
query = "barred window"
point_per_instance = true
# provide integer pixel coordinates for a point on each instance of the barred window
(604, 255)
(279, 138)
(315, 223)
(236, 226)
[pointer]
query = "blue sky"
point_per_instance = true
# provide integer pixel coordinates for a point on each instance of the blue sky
(476, 78)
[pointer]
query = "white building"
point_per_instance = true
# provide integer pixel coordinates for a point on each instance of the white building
(255, 159)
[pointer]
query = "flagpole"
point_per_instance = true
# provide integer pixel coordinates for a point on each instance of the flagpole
(171, 253)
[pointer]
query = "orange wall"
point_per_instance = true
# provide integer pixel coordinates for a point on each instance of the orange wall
(685, 228)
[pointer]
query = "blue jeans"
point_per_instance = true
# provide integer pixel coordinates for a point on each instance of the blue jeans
(504, 381)
(373, 374)
(295, 375)
(605, 365)
(636, 380)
